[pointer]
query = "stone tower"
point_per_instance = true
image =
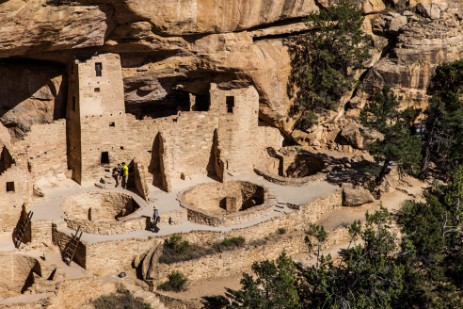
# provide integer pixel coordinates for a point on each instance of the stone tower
(96, 124)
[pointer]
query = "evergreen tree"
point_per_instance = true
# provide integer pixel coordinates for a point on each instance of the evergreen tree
(398, 145)
(273, 288)
(324, 59)
(444, 121)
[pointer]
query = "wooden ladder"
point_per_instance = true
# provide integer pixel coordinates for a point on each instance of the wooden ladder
(71, 247)
(21, 230)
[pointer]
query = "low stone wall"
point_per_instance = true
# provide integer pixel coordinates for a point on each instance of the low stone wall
(41, 232)
(61, 240)
(297, 220)
(208, 218)
(289, 181)
(103, 213)
(109, 227)
(76, 293)
(174, 217)
(195, 199)
(115, 256)
(16, 273)
(234, 261)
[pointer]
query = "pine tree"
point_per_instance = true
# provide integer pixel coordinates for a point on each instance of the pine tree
(398, 145)
(324, 59)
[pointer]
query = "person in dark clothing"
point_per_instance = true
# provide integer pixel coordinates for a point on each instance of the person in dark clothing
(156, 219)
(117, 174)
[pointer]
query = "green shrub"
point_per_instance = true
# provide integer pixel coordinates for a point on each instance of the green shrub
(176, 282)
(177, 250)
(229, 244)
(176, 244)
(121, 299)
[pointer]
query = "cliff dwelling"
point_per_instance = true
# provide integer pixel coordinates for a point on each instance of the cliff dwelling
(226, 162)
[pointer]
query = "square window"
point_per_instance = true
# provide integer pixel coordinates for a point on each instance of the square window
(96, 89)
(112, 124)
(10, 186)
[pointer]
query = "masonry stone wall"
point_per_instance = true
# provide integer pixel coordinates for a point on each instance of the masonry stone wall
(100, 93)
(205, 203)
(62, 239)
(46, 149)
(106, 133)
(95, 116)
(268, 137)
(294, 221)
(238, 125)
(232, 262)
(41, 232)
(188, 144)
(15, 271)
(76, 293)
(15, 190)
(288, 181)
(115, 256)
(173, 147)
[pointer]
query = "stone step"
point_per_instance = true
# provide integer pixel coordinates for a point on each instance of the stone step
(280, 211)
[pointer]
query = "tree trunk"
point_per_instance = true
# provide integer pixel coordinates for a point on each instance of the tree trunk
(384, 171)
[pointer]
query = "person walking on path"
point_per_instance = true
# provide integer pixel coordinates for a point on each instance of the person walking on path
(156, 220)
(125, 175)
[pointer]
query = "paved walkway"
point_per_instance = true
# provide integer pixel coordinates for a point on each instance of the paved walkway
(49, 208)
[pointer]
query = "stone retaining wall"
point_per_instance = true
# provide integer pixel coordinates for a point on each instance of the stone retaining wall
(61, 240)
(203, 203)
(297, 220)
(289, 181)
(232, 262)
(41, 232)
(109, 228)
(115, 256)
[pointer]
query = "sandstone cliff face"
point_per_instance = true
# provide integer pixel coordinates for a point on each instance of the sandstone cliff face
(421, 44)
(172, 45)
(37, 26)
(181, 17)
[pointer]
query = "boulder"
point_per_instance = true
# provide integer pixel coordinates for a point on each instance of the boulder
(432, 10)
(355, 196)
(373, 6)
(357, 136)
(396, 23)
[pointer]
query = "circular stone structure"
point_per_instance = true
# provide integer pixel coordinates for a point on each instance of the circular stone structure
(103, 213)
(293, 166)
(230, 203)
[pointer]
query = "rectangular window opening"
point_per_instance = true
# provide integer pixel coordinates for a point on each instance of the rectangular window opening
(230, 104)
(96, 89)
(105, 157)
(202, 103)
(10, 186)
(112, 124)
(98, 68)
